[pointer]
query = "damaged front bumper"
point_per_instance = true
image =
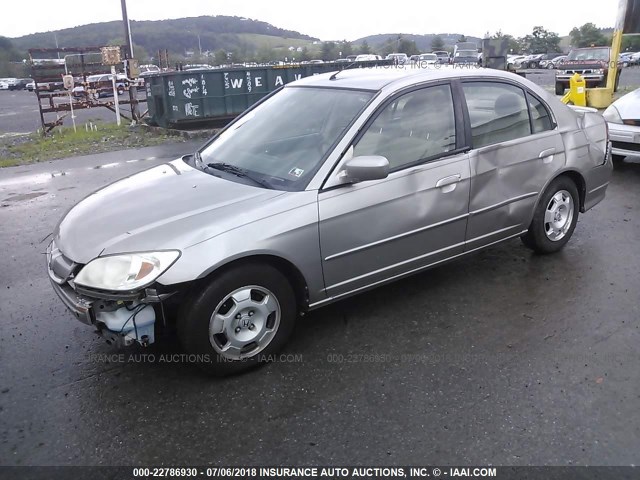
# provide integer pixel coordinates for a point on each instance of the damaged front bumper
(120, 318)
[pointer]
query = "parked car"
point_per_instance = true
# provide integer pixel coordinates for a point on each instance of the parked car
(635, 58)
(531, 61)
(465, 57)
(50, 86)
(366, 58)
(427, 59)
(4, 85)
(371, 175)
(553, 63)
(623, 117)
(443, 56)
(31, 86)
(10, 82)
(101, 85)
(592, 63)
(398, 58)
(149, 69)
(514, 62)
(624, 59)
(17, 83)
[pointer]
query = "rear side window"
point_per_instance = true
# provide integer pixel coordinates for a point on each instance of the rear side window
(540, 118)
(498, 112)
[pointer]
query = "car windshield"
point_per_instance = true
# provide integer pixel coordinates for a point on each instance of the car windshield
(428, 56)
(589, 54)
(282, 142)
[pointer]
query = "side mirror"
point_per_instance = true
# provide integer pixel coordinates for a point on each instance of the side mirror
(362, 169)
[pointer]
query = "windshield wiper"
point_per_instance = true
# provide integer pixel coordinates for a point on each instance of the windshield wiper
(237, 171)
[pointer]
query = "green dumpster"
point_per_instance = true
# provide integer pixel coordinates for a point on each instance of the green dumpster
(184, 99)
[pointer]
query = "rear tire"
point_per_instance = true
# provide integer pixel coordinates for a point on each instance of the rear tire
(239, 320)
(559, 88)
(617, 158)
(555, 217)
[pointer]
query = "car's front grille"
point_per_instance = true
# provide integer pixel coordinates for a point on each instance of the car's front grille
(581, 72)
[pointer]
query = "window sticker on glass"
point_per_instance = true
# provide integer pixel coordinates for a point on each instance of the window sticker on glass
(296, 172)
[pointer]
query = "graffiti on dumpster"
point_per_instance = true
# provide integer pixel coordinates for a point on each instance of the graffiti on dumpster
(204, 85)
(192, 87)
(172, 88)
(191, 110)
(249, 82)
(237, 83)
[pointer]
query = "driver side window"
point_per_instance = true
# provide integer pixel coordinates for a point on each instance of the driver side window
(414, 127)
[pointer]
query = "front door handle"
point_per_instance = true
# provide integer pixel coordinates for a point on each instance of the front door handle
(547, 155)
(448, 184)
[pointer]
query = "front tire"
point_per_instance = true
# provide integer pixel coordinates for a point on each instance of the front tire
(559, 88)
(555, 217)
(239, 320)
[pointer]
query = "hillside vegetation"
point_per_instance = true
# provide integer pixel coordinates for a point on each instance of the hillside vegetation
(209, 33)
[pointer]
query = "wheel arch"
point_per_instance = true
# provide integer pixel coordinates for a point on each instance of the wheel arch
(293, 275)
(581, 185)
(576, 177)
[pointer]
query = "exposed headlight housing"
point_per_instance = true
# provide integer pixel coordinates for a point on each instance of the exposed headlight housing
(612, 115)
(598, 71)
(126, 272)
(562, 72)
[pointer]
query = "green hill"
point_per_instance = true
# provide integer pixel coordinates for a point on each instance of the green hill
(210, 33)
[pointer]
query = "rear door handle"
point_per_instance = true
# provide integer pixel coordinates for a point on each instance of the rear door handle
(448, 184)
(547, 155)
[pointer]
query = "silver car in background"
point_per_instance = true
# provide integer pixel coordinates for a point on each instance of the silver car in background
(623, 117)
(331, 186)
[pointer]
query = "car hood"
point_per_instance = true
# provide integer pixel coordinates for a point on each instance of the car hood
(171, 206)
(629, 105)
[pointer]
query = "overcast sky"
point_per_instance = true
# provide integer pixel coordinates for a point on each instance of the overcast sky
(327, 20)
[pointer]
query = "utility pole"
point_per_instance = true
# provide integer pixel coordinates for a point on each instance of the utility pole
(133, 91)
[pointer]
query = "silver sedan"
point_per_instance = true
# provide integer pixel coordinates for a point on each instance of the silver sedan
(623, 117)
(333, 185)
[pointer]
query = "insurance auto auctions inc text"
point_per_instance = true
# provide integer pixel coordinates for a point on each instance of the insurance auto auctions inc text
(376, 472)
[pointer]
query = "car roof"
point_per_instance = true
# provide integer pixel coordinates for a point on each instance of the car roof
(377, 78)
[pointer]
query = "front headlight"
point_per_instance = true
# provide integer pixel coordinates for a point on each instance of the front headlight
(598, 71)
(126, 272)
(612, 115)
(562, 72)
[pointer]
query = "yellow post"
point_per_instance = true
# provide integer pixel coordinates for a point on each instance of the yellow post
(602, 97)
(616, 45)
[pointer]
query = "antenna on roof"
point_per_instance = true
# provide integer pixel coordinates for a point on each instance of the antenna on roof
(333, 77)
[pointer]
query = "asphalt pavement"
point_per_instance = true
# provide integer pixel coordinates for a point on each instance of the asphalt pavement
(503, 358)
(19, 112)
